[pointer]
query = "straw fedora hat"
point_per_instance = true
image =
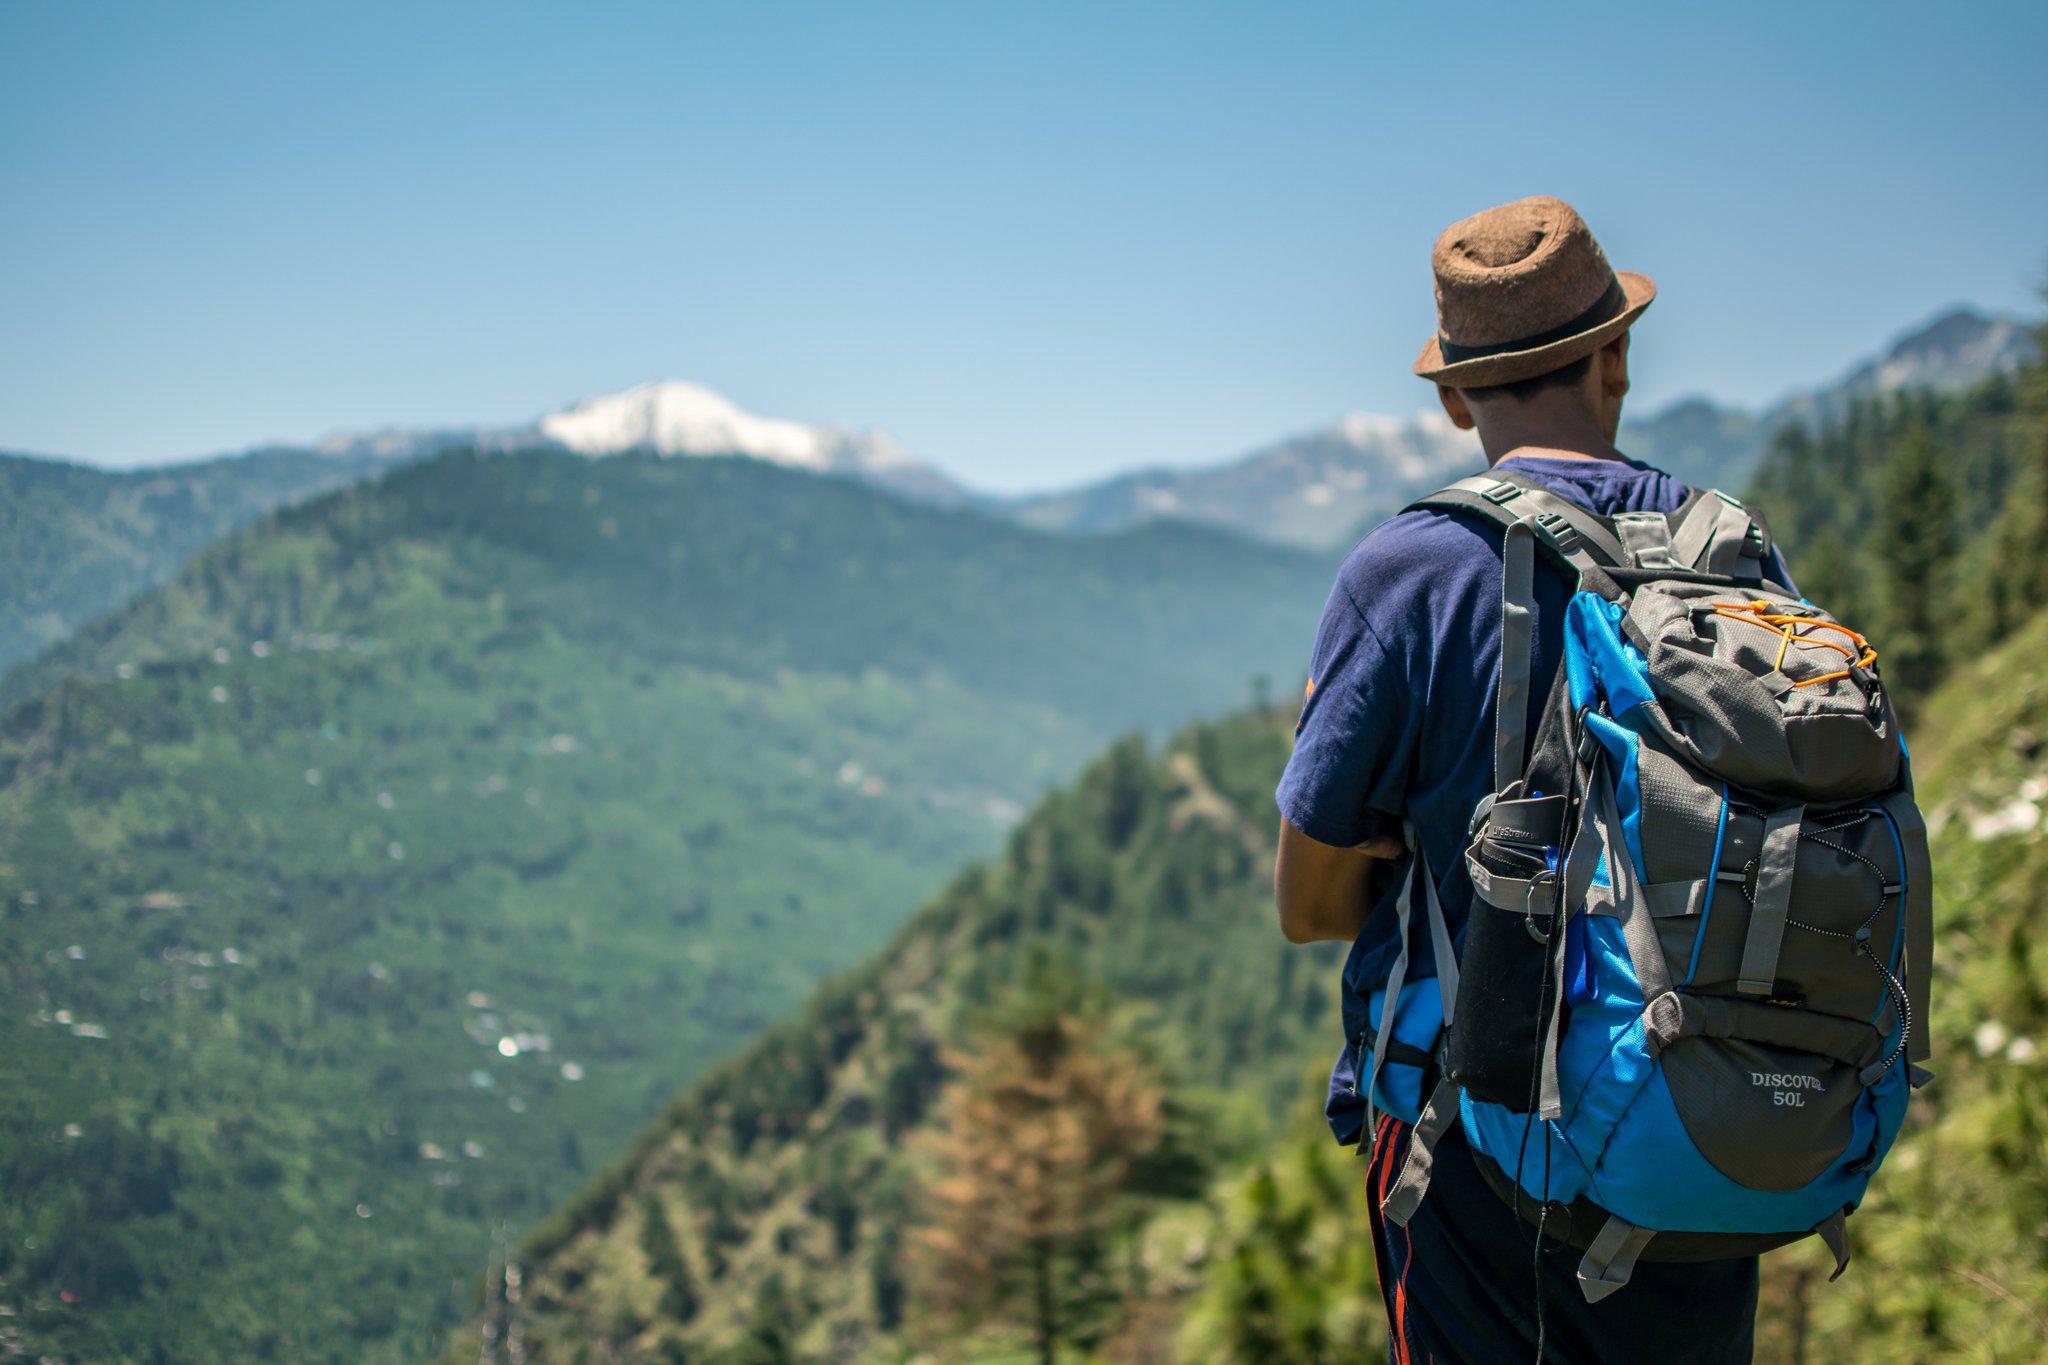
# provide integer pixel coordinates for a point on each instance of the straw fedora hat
(1521, 290)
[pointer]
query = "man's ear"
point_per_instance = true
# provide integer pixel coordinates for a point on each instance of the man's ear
(1455, 407)
(1613, 363)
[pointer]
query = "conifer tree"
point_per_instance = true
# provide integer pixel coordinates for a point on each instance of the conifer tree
(2017, 560)
(665, 1261)
(1039, 1134)
(1918, 534)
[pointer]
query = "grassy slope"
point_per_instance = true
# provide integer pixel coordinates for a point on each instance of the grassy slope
(531, 746)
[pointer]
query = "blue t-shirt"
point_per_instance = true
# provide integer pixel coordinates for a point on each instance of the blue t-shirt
(1398, 722)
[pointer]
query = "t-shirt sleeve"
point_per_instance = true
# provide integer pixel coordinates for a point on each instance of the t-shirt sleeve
(1778, 571)
(1354, 744)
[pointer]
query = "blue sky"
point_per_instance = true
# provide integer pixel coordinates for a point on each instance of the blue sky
(1034, 241)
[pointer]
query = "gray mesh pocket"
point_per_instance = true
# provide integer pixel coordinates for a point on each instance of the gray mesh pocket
(1847, 881)
(1746, 703)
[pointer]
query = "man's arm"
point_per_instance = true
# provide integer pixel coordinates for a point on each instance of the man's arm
(1324, 893)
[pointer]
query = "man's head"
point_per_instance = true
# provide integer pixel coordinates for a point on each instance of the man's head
(1532, 323)
(1593, 384)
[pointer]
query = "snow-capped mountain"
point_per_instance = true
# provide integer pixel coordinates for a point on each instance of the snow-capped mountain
(1319, 488)
(675, 418)
(1311, 489)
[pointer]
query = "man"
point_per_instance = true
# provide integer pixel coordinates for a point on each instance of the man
(1532, 352)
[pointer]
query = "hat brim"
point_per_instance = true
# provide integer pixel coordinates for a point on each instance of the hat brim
(1510, 367)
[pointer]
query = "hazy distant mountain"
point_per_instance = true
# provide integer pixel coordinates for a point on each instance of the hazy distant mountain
(1311, 489)
(78, 541)
(1321, 488)
(1708, 443)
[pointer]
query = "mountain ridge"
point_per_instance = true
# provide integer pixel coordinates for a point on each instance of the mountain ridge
(1326, 486)
(76, 539)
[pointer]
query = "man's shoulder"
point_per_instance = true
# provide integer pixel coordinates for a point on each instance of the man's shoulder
(1421, 553)
(1438, 554)
(1604, 486)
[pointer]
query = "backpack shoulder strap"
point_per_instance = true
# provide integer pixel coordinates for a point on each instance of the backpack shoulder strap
(1583, 541)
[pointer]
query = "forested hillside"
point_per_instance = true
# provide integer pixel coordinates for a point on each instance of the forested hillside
(1921, 518)
(777, 1210)
(77, 541)
(376, 879)
(1705, 443)
(787, 1209)
(780, 1200)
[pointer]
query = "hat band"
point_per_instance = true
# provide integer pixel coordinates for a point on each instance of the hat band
(1606, 308)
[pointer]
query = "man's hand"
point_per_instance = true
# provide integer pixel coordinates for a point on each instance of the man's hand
(1324, 893)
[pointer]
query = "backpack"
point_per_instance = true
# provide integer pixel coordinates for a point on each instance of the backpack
(1692, 996)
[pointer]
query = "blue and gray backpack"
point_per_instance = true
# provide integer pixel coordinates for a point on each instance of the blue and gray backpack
(1692, 996)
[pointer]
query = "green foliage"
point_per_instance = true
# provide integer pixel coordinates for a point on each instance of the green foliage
(665, 1261)
(1148, 876)
(1920, 520)
(76, 542)
(2016, 571)
(1916, 527)
(1287, 1271)
(410, 848)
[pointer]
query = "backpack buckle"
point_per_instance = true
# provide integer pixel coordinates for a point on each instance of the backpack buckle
(1560, 532)
(1587, 747)
(1502, 493)
(1546, 878)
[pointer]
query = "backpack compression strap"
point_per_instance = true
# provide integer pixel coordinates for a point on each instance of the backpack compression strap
(1712, 532)
(1439, 950)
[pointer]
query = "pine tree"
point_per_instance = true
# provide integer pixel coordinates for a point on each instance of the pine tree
(665, 1261)
(1918, 535)
(1039, 1134)
(2016, 570)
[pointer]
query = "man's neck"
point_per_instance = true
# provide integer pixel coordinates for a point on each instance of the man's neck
(1559, 433)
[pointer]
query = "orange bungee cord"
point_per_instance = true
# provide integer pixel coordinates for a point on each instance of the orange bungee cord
(1789, 627)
